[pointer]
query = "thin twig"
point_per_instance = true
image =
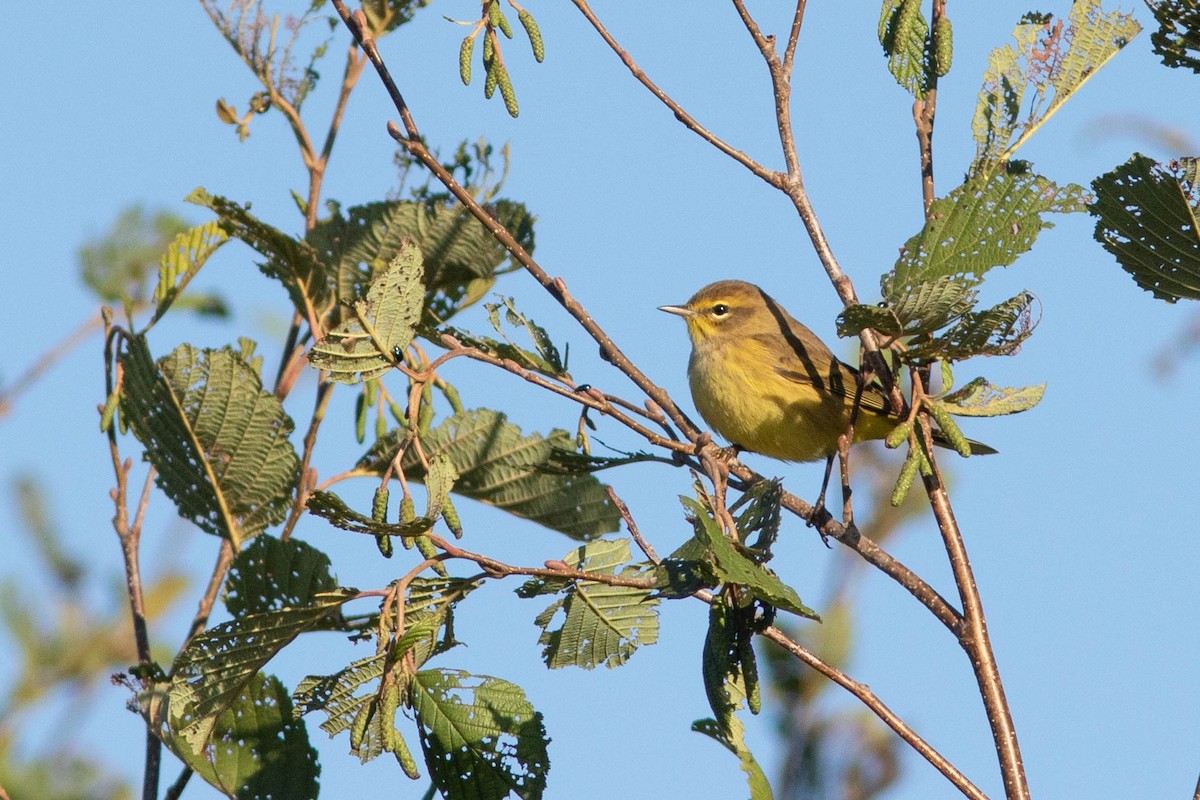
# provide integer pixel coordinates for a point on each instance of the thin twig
(176, 788)
(641, 542)
(770, 176)
(412, 141)
(877, 706)
(46, 360)
(324, 392)
(200, 621)
(973, 638)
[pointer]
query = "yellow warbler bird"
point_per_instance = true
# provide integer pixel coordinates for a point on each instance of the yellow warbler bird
(768, 384)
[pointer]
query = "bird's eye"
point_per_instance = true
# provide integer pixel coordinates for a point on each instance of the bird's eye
(720, 310)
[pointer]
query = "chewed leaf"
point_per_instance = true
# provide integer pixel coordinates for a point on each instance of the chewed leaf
(270, 575)
(981, 399)
(498, 465)
(1177, 39)
(997, 331)
(256, 748)
(382, 324)
(218, 441)
(1146, 216)
(1028, 81)
(482, 738)
(182, 260)
(600, 624)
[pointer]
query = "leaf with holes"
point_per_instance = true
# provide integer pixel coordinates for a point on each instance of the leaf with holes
(1177, 39)
(497, 465)
(184, 257)
(482, 739)
(1146, 216)
(1028, 81)
(256, 747)
(904, 34)
(381, 326)
(271, 575)
(217, 440)
(981, 399)
(997, 331)
(292, 262)
(600, 624)
(216, 666)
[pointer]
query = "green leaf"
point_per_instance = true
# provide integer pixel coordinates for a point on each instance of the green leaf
(219, 442)
(760, 787)
(600, 624)
(997, 331)
(978, 226)
(216, 666)
(1146, 216)
(117, 264)
(271, 575)
(762, 514)
(981, 399)
(857, 318)
(461, 257)
(727, 666)
(572, 462)
(183, 258)
(1177, 39)
(255, 748)
(368, 345)
(736, 568)
(904, 34)
(292, 262)
(1028, 81)
(332, 508)
(547, 352)
(499, 466)
(482, 739)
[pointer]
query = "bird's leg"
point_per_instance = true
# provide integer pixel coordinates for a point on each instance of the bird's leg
(820, 514)
(844, 459)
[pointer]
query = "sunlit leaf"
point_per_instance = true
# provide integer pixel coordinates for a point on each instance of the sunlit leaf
(1027, 81)
(482, 739)
(599, 624)
(218, 441)
(381, 326)
(981, 399)
(904, 34)
(497, 465)
(256, 747)
(183, 258)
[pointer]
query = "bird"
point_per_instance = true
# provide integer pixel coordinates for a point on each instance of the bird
(769, 385)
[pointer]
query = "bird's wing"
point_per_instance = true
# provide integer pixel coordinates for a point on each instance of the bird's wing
(811, 362)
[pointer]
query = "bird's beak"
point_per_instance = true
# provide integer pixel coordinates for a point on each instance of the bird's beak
(679, 311)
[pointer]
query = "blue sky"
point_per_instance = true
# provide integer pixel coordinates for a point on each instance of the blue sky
(1082, 532)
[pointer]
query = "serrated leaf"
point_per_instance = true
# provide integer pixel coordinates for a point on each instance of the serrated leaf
(1028, 81)
(981, 399)
(217, 665)
(997, 331)
(1177, 39)
(270, 575)
(461, 257)
(183, 258)
(382, 325)
(1146, 216)
(499, 466)
(548, 358)
(904, 34)
(292, 262)
(219, 442)
(601, 624)
(735, 568)
(256, 748)
(857, 318)
(978, 226)
(481, 738)
(762, 515)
